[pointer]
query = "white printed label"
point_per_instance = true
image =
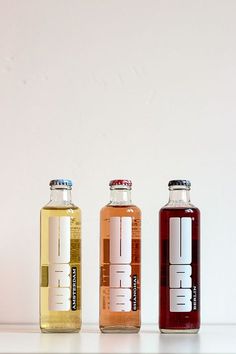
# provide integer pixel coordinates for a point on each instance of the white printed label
(180, 300)
(180, 269)
(59, 268)
(59, 239)
(59, 299)
(120, 300)
(120, 259)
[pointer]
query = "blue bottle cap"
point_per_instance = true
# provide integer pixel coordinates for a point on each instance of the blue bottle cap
(61, 182)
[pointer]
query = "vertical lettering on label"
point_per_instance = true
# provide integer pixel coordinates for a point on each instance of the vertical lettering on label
(134, 292)
(120, 259)
(74, 289)
(180, 259)
(59, 268)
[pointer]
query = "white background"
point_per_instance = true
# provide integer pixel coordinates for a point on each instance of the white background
(95, 90)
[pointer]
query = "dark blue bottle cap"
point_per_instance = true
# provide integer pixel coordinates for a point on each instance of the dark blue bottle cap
(179, 182)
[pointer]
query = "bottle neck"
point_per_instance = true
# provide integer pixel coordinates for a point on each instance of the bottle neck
(179, 197)
(60, 196)
(120, 197)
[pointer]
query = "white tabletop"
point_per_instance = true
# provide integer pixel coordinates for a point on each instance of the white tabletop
(28, 339)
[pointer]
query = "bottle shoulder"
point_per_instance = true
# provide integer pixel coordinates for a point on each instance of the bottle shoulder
(55, 206)
(120, 209)
(174, 205)
(122, 206)
(179, 211)
(57, 210)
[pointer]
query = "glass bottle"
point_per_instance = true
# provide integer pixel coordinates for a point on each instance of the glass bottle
(60, 257)
(179, 236)
(120, 257)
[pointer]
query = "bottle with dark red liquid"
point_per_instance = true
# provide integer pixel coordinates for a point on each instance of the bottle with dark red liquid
(179, 222)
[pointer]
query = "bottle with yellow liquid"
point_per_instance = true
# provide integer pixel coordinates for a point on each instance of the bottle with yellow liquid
(60, 257)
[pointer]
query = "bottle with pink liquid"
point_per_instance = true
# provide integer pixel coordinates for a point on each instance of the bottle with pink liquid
(120, 261)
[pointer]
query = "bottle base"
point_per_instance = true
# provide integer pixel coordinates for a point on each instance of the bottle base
(179, 331)
(60, 330)
(119, 329)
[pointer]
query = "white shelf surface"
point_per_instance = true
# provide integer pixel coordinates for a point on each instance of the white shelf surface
(28, 339)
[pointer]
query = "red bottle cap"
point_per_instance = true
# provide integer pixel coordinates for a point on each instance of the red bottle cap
(120, 182)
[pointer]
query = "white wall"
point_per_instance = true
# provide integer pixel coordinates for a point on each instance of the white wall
(94, 90)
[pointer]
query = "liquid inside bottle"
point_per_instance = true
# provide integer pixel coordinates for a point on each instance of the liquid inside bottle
(60, 288)
(120, 257)
(179, 222)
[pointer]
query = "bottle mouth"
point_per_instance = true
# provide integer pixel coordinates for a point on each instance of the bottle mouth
(179, 188)
(60, 187)
(120, 184)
